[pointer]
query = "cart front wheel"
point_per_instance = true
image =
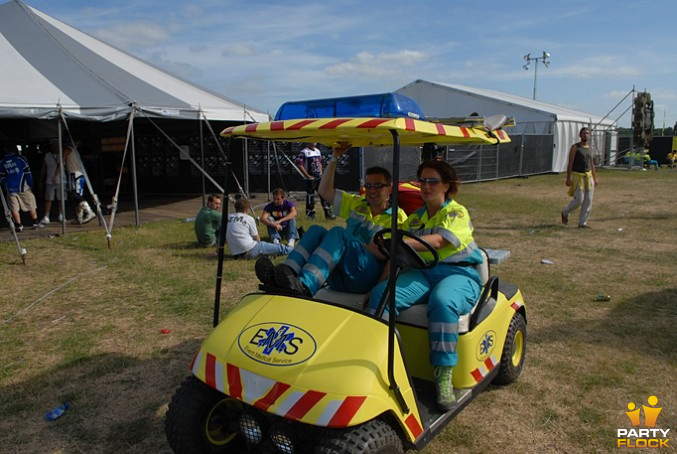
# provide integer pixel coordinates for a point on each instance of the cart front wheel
(373, 437)
(514, 351)
(201, 419)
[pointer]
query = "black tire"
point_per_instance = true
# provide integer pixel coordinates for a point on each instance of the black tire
(514, 351)
(373, 437)
(201, 419)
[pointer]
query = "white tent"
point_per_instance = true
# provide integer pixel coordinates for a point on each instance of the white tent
(53, 73)
(532, 117)
(49, 66)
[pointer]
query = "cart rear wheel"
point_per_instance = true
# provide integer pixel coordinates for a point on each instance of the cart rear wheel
(514, 351)
(201, 419)
(373, 437)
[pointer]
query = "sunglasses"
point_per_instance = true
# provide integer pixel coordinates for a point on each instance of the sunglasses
(430, 181)
(374, 185)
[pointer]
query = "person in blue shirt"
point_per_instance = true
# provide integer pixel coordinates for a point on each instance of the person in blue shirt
(343, 257)
(279, 216)
(16, 177)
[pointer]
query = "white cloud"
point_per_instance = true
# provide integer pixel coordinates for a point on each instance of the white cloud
(239, 50)
(134, 35)
(377, 65)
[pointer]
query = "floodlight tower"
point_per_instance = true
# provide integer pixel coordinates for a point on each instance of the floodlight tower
(543, 59)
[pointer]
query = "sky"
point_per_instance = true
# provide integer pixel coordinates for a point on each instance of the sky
(263, 53)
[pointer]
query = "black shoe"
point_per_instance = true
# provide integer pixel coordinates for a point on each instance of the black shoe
(285, 278)
(265, 271)
(301, 231)
(330, 216)
(18, 228)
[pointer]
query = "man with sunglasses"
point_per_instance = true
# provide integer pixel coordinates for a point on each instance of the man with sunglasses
(344, 257)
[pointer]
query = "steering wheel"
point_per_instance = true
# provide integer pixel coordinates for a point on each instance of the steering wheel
(409, 258)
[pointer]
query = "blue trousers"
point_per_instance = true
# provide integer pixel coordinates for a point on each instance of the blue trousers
(450, 291)
(335, 257)
(288, 232)
(265, 248)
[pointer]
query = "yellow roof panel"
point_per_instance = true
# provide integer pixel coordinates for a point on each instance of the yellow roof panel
(362, 132)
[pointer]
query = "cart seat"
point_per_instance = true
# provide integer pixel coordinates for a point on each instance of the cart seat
(416, 315)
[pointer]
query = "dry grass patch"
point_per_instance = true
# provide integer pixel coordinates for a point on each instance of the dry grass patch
(81, 323)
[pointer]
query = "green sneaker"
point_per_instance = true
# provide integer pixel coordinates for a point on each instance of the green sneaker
(444, 389)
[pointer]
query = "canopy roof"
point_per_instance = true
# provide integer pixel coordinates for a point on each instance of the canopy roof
(362, 132)
(481, 99)
(48, 65)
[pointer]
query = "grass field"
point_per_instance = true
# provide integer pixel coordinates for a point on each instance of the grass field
(82, 324)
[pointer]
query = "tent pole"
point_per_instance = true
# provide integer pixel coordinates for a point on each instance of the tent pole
(268, 151)
(122, 167)
(64, 174)
(181, 151)
(135, 189)
(232, 173)
(202, 159)
(245, 149)
(93, 195)
(10, 221)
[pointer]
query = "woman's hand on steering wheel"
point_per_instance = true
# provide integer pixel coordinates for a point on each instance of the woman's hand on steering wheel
(409, 257)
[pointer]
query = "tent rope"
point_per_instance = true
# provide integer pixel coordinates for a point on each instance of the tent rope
(223, 153)
(187, 156)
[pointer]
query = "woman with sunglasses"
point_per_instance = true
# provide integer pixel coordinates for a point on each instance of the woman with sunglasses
(450, 288)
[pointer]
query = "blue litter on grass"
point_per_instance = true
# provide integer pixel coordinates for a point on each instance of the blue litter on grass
(57, 412)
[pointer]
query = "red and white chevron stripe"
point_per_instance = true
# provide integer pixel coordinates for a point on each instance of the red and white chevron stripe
(482, 371)
(276, 397)
(516, 305)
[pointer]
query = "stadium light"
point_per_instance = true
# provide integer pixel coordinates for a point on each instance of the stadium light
(543, 59)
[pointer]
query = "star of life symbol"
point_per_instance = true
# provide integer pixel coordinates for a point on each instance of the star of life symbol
(486, 344)
(276, 340)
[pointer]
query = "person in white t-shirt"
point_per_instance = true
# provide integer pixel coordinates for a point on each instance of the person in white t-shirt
(52, 181)
(243, 238)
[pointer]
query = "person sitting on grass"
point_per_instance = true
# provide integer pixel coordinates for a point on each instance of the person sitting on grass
(208, 222)
(344, 257)
(243, 238)
(279, 216)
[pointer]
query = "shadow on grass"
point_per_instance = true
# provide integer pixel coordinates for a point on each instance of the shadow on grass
(117, 404)
(643, 325)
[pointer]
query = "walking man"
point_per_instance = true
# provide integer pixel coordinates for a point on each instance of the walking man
(309, 163)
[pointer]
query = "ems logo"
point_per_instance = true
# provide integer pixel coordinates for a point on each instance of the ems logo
(277, 344)
(485, 346)
(650, 437)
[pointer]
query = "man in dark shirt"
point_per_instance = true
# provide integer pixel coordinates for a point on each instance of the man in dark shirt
(309, 163)
(279, 216)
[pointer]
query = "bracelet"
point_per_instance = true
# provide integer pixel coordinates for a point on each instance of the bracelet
(333, 159)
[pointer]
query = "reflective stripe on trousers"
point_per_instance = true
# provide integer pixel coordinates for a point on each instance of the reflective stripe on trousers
(335, 257)
(448, 295)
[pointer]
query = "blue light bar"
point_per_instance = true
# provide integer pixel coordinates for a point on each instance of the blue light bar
(385, 105)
